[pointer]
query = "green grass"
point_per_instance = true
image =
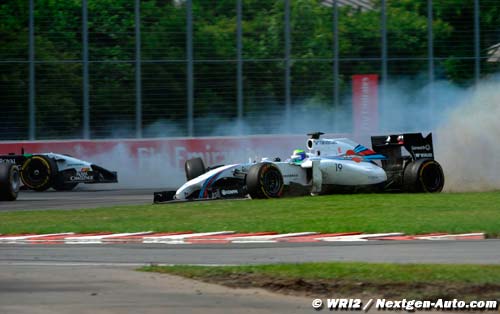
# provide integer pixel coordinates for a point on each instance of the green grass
(418, 281)
(352, 271)
(409, 213)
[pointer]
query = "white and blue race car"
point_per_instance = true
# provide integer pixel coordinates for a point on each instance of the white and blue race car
(399, 162)
(61, 172)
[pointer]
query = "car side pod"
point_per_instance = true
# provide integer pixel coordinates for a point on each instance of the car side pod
(163, 196)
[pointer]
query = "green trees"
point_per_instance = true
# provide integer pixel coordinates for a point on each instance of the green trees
(163, 47)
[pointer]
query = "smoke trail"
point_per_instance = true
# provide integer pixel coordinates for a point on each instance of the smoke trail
(467, 144)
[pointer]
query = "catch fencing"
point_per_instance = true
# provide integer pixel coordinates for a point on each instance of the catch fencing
(95, 69)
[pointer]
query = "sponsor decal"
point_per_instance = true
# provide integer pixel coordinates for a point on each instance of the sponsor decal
(81, 176)
(8, 161)
(295, 175)
(229, 192)
(325, 142)
(423, 147)
(424, 155)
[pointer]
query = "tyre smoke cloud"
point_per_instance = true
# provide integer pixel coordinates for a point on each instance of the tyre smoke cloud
(465, 125)
(464, 121)
(467, 142)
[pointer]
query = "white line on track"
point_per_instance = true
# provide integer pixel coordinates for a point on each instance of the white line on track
(15, 239)
(179, 238)
(360, 237)
(452, 236)
(267, 238)
(95, 239)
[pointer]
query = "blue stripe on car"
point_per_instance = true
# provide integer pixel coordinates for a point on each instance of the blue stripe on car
(208, 182)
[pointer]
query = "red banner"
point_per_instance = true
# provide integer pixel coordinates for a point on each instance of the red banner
(365, 103)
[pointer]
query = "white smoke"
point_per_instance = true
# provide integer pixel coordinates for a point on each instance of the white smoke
(152, 168)
(468, 141)
(464, 122)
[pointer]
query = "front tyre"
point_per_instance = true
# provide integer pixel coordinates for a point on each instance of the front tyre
(9, 182)
(424, 175)
(194, 168)
(264, 180)
(38, 172)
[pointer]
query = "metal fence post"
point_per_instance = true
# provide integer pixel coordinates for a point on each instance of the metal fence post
(239, 57)
(383, 26)
(85, 61)
(138, 82)
(336, 78)
(189, 55)
(477, 43)
(287, 66)
(31, 100)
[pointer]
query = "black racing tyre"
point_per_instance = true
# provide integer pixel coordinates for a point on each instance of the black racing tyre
(38, 172)
(424, 175)
(9, 182)
(194, 168)
(264, 180)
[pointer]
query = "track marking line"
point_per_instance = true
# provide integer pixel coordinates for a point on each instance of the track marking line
(95, 239)
(179, 238)
(138, 238)
(59, 239)
(16, 239)
(464, 236)
(315, 237)
(360, 237)
(222, 239)
(268, 238)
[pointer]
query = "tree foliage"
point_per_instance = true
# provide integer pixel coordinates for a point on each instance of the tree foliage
(163, 48)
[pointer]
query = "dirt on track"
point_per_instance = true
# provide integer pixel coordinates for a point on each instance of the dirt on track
(350, 289)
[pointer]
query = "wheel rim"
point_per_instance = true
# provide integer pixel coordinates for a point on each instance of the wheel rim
(272, 182)
(15, 185)
(36, 173)
(432, 177)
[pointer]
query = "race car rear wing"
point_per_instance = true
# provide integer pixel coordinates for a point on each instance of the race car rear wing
(418, 146)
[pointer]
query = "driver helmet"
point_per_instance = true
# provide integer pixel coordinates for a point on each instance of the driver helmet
(298, 156)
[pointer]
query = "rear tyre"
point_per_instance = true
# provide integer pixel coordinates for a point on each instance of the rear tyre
(264, 180)
(194, 168)
(9, 182)
(38, 172)
(424, 175)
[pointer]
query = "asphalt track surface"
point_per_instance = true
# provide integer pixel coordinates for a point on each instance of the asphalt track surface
(121, 290)
(452, 252)
(85, 197)
(81, 279)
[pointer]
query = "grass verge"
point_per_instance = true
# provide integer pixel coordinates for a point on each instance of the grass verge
(409, 213)
(416, 281)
